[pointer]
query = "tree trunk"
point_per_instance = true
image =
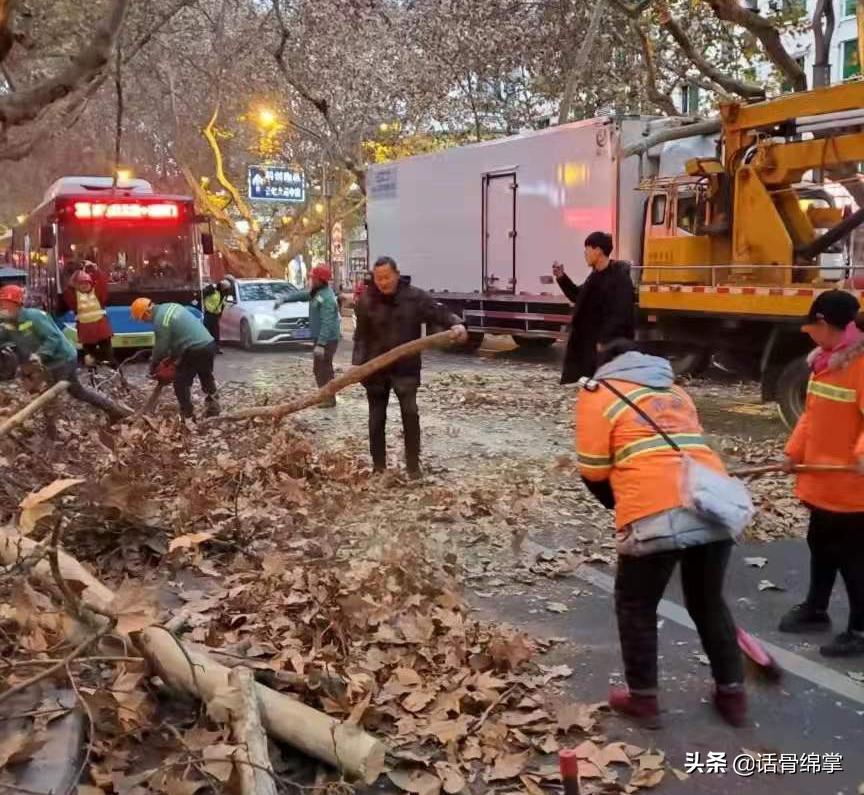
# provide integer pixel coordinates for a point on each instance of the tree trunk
(253, 764)
(188, 668)
(822, 36)
(707, 127)
(581, 62)
(33, 406)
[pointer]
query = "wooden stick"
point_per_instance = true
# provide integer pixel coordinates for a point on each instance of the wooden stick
(153, 399)
(352, 376)
(766, 469)
(253, 759)
(189, 668)
(33, 406)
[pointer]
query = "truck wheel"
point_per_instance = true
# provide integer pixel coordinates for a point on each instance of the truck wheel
(533, 343)
(792, 390)
(246, 337)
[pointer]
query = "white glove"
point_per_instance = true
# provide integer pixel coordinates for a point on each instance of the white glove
(89, 360)
(318, 351)
(34, 358)
(460, 332)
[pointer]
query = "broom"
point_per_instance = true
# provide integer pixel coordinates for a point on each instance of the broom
(760, 661)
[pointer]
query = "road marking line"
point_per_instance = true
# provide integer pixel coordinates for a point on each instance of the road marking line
(814, 672)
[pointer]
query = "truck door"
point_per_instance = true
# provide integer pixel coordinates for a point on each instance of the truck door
(499, 232)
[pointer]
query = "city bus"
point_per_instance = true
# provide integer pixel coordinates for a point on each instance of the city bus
(145, 243)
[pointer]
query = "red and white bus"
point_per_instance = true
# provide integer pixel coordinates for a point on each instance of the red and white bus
(145, 243)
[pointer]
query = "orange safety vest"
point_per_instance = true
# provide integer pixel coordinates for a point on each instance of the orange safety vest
(89, 308)
(831, 431)
(614, 443)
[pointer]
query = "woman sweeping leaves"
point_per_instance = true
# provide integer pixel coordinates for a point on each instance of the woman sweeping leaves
(638, 436)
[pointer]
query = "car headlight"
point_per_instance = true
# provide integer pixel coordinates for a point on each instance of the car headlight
(265, 321)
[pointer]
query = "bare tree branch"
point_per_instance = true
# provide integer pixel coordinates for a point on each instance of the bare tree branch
(577, 70)
(729, 83)
(657, 97)
(23, 106)
(764, 30)
(707, 127)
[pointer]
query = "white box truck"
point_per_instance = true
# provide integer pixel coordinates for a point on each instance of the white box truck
(480, 225)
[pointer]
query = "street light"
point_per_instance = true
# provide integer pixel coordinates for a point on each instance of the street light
(124, 174)
(266, 118)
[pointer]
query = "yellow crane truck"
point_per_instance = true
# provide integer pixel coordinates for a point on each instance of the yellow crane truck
(733, 249)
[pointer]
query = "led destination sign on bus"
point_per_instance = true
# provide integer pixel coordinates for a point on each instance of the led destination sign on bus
(126, 211)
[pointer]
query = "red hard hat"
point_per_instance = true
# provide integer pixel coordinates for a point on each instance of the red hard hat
(322, 273)
(13, 294)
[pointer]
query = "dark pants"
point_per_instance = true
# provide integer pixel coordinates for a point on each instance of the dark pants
(836, 542)
(196, 362)
(378, 394)
(211, 323)
(101, 351)
(68, 371)
(322, 366)
(639, 587)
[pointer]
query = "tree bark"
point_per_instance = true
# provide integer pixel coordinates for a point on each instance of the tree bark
(763, 29)
(253, 759)
(822, 36)
(581, 61)
(25, 105)
(353, 376)
(188, 668)
(33, 406)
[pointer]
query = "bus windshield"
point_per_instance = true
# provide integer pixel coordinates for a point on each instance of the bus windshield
(133, 257)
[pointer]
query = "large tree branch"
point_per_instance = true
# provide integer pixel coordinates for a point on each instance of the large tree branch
(657, 97)
(577, 70)
(707, 127)
(23, 106)
(729, 83)
(769, 36)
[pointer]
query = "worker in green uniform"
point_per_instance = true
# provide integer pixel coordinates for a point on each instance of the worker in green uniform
(182, 338)
(214, 306)
(325, 327)
(40, 342)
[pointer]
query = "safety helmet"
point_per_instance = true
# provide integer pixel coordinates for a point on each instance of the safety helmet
(322, 273)
(13, 294)
(140, 308)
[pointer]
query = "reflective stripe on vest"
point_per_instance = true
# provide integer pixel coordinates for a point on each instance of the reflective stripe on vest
(25, 326)
(89, 308)
(838, 394)
(686, 441)
(169, 315)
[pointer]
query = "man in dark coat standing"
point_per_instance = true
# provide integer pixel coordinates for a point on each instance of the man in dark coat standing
(390, 313)
(603, 307)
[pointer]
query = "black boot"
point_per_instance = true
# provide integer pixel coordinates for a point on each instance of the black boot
(846, 644)
(804, 618)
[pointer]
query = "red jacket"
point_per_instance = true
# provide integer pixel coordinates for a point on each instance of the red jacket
(91, 332)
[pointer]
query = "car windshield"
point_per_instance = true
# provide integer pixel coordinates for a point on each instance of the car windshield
(265, 291)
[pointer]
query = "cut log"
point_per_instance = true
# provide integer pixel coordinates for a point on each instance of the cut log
(359, 755)
(352, 376)
(253, 758)
(153, 399)
(33, 406)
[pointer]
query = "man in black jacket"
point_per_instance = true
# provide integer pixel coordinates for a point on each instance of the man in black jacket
(603, 307)
(389, 314)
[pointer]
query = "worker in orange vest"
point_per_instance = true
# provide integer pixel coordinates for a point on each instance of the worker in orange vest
(831, 431)
(633, 468)
(86, 294)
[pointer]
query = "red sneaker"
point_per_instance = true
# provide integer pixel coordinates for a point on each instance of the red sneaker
(732, 706)
(643, 708)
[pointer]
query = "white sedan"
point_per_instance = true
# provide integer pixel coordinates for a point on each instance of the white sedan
(250, 318)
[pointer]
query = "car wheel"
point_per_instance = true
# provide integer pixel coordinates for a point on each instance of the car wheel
(246, 340)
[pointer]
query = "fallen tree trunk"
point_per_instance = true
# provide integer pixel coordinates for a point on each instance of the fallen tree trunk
(253, 759)
(33, 406)
(352, 376)
(767, 469)
(189, 668)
